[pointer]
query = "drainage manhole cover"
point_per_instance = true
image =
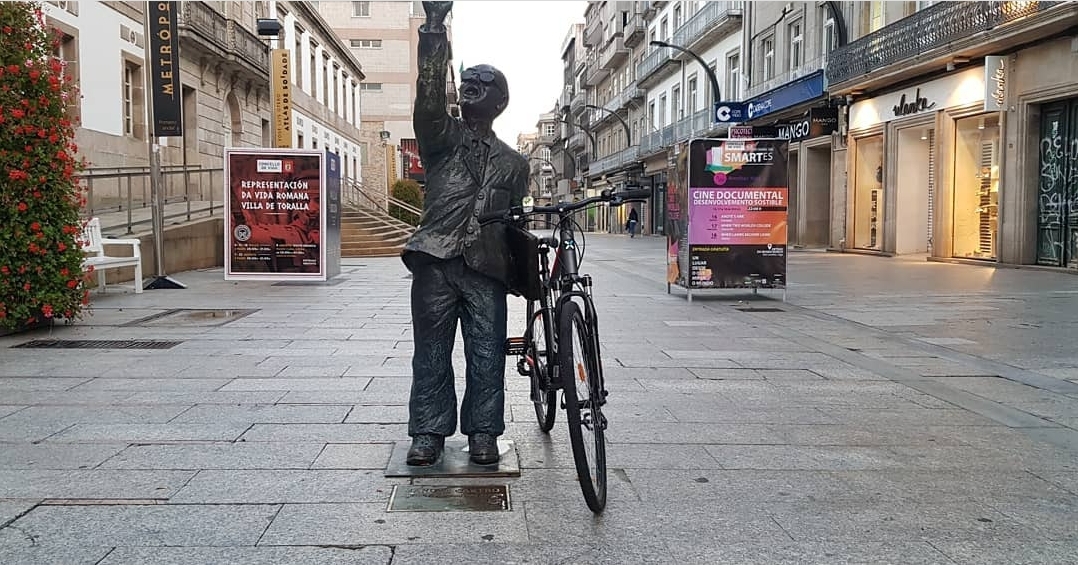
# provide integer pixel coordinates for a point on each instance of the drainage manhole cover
(192, 317)
(98, 344)
(760, 309)
(437, 498)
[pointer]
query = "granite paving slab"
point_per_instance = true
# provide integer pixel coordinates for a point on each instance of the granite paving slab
(354, 456)
(284, 486)
(369, 523)
(20, 548)
(148, 433)
(264, 414)
(56, 456)
(992, 552)
(146, 525)
(12, 509)
(809, 553)
(328, 433)
(371, 555)
(91, 484)
(291, 384)
(217, 455)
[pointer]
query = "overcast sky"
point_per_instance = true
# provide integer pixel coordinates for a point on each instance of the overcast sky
(523, 40)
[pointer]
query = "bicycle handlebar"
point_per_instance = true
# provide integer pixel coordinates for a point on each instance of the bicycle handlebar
(566, 208)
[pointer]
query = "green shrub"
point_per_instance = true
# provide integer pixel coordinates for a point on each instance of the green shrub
(40, 256)
(407, 191)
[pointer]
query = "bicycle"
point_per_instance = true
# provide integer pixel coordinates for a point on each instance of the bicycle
(560, 346)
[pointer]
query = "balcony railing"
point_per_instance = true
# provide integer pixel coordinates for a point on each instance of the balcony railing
(578, 101)
(576, 141)
(635, 30)
(227, 36)
(934, 27)
(712, 18)
(695, 125)
(614, 53)
(788, 76)
(566, 98)
(595, 72)
(652, 63)
(615, 161)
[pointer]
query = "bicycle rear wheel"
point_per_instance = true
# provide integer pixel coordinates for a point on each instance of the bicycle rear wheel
(578, 362)
(540, 355)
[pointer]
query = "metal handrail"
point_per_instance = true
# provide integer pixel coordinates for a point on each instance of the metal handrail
(201, 194)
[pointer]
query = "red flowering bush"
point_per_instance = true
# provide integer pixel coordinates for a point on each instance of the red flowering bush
(40, 195)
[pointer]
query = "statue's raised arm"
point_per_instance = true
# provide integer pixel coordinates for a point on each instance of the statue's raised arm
(430, 119)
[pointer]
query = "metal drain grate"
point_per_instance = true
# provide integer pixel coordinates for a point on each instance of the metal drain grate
(189, 317)
(97, 344)
(760, 309)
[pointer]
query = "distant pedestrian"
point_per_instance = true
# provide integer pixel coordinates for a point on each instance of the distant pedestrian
(630, 225)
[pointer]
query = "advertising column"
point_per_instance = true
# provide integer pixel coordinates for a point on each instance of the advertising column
(737, 213)
(274, 217)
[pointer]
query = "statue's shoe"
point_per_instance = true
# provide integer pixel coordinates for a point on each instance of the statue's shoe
(483, 449)
(425, 450)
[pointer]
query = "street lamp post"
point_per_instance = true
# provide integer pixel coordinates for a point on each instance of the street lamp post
(624, 124)
(715, 92)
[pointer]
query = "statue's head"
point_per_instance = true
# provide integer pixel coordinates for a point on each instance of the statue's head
(484, 93)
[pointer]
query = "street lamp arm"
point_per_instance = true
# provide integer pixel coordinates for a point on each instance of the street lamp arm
(547, 161)
(624, 124)
(707, 68)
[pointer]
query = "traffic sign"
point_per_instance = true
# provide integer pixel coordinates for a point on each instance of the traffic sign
(726, 112)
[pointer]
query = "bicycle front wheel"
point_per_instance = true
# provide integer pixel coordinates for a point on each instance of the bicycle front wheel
(578, 362)
(540, 354)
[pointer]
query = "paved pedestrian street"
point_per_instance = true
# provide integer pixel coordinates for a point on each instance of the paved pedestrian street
(892, 410)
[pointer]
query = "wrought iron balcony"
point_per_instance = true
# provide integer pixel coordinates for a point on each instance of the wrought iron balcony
(576, 141)
(634, 31)
(711, 21)
(695, 125)
(614, 53)
(566, 98)
(596, 72)
(926, 34)
(576, 104)
(653, 63)
(788, 76)
(615, 161)
(250, 47)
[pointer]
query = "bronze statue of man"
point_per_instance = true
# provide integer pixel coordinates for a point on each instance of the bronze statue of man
(460, 270)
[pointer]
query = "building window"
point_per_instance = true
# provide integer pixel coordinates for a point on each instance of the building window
(548, 130)
(299, 141)
(662, 109)
(361, 9)
(68, 52)
(664, 25)
(692, 95)
(133, 96)
(733, 76)
(337, 88)
(370, 86)
(876, 15)
(314, 69)
(297, 58)
(796, 42)
(768, 49)
(829, 38)
(675, 103)
(366, 43)
(326, 84)
(677, 16)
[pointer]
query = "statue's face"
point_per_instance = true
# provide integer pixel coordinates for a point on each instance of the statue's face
(484, 92)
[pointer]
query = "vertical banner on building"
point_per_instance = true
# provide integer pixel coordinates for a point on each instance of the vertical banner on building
(163, 59)
(281, 75)
(412, 165)
(274, 214)
(737, 213)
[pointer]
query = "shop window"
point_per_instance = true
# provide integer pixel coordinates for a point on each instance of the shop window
(976, 187)
(868, 198)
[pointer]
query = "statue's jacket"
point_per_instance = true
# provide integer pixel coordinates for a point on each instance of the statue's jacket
(457, 192)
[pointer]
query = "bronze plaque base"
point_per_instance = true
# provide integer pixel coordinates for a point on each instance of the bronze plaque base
(449, 498)
(454, 462)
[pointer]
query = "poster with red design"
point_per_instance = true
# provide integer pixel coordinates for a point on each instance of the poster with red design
(273, 214)
(737, 196)
(413, 166)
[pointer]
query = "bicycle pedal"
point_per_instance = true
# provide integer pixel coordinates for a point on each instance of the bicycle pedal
(515, 346)
(524, 368)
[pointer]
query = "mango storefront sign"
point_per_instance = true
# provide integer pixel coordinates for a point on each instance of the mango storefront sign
(957, 89)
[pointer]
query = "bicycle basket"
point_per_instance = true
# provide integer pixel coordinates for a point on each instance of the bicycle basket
(524, 257)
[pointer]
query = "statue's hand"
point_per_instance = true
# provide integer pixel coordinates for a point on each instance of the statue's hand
(436, 13)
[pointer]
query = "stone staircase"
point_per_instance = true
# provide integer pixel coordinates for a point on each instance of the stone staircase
(372, 233)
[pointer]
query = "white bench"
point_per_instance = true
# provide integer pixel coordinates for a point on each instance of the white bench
(93, 244)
